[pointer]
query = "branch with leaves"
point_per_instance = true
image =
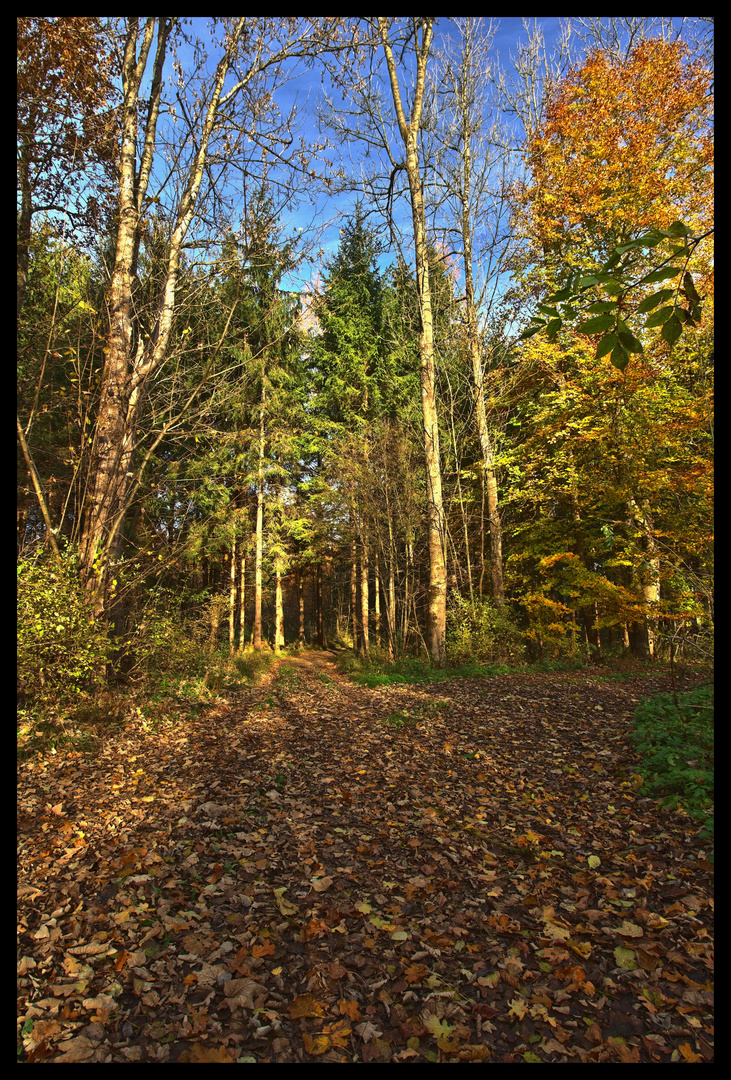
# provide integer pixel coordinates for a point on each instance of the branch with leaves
(673, 309)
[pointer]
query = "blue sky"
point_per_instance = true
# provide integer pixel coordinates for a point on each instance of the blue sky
(326, 211)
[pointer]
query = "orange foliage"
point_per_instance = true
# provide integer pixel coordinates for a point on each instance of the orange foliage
(626, 146)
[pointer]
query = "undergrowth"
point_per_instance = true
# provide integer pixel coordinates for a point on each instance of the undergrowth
(161, 697)
(676, 744)
(378, 671)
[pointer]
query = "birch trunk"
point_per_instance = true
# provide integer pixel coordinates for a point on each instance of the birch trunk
(130, 359)
(437, 601)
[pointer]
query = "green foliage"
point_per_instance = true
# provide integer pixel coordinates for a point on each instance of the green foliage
(481, 632)
(411, 669)
(60, 647)
(676, 743)
(161, 643)
(617, 339)
(251, 664)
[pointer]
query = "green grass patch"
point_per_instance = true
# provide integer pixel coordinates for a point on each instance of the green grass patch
(403, 719)
(411, 669)
(399, 720)
(288, 680)
(676, 744)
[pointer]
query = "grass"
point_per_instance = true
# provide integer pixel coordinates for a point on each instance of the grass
(409, 718)
(410, 669)
(676, 744)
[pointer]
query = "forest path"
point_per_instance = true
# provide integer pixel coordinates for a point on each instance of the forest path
(459, 871)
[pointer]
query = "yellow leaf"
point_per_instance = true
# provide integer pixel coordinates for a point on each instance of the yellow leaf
(319, 1045)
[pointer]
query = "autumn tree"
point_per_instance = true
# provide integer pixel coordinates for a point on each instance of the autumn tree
(67, 128)
(419, 36)
(626, 147)
(472, 192)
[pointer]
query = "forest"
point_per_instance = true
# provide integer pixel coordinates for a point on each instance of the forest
(364, 391)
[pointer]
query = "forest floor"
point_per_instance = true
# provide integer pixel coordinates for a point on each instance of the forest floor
(312, 870)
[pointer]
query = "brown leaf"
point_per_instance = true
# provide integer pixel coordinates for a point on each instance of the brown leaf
(306, 1005)
(202, 1054)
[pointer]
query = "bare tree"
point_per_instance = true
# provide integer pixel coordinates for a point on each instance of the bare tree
(219, 117)
(471, 192)
(385, 127)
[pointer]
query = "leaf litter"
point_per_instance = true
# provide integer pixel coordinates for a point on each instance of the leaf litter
(319, 871)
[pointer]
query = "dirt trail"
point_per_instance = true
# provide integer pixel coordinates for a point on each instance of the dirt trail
(315, 870)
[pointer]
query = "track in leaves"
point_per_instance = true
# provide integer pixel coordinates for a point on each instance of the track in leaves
(321, 872)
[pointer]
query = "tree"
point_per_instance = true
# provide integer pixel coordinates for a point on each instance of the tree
(608, 165)
(419, 36)
(626, 149)
(464, 179)
(348, 357)
(132, 357)
(67, 127)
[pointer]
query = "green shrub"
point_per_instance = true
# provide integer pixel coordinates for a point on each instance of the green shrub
(676, 743)
(61, 649)
(481, 632)
(160, 642)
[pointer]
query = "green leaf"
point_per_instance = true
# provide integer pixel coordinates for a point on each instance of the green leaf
(672, 330)
(563, 294)
(689, 287)
(586, 282)
(532, 330)
(659, 317)
(629, 341)
(553, 328)
(606, 345)
(597, 325)
(602, 305)
(678, 228)
(651, 239)
(662, 275)
(651, 302)
(619, 357)
(548, 310)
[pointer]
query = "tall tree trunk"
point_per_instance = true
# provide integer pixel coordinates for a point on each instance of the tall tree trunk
(377, 600)
(131, 360)
(278, 610)
(318, 609)
(391, 609)
(364, 594)
(232, 601)
(242, 600)
(259, 526)
(473, 338)
(437, 600)
(301, 596)
(649, 576)
(354, 590)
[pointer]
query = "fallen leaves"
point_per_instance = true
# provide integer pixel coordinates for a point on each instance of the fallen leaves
(502, 901)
